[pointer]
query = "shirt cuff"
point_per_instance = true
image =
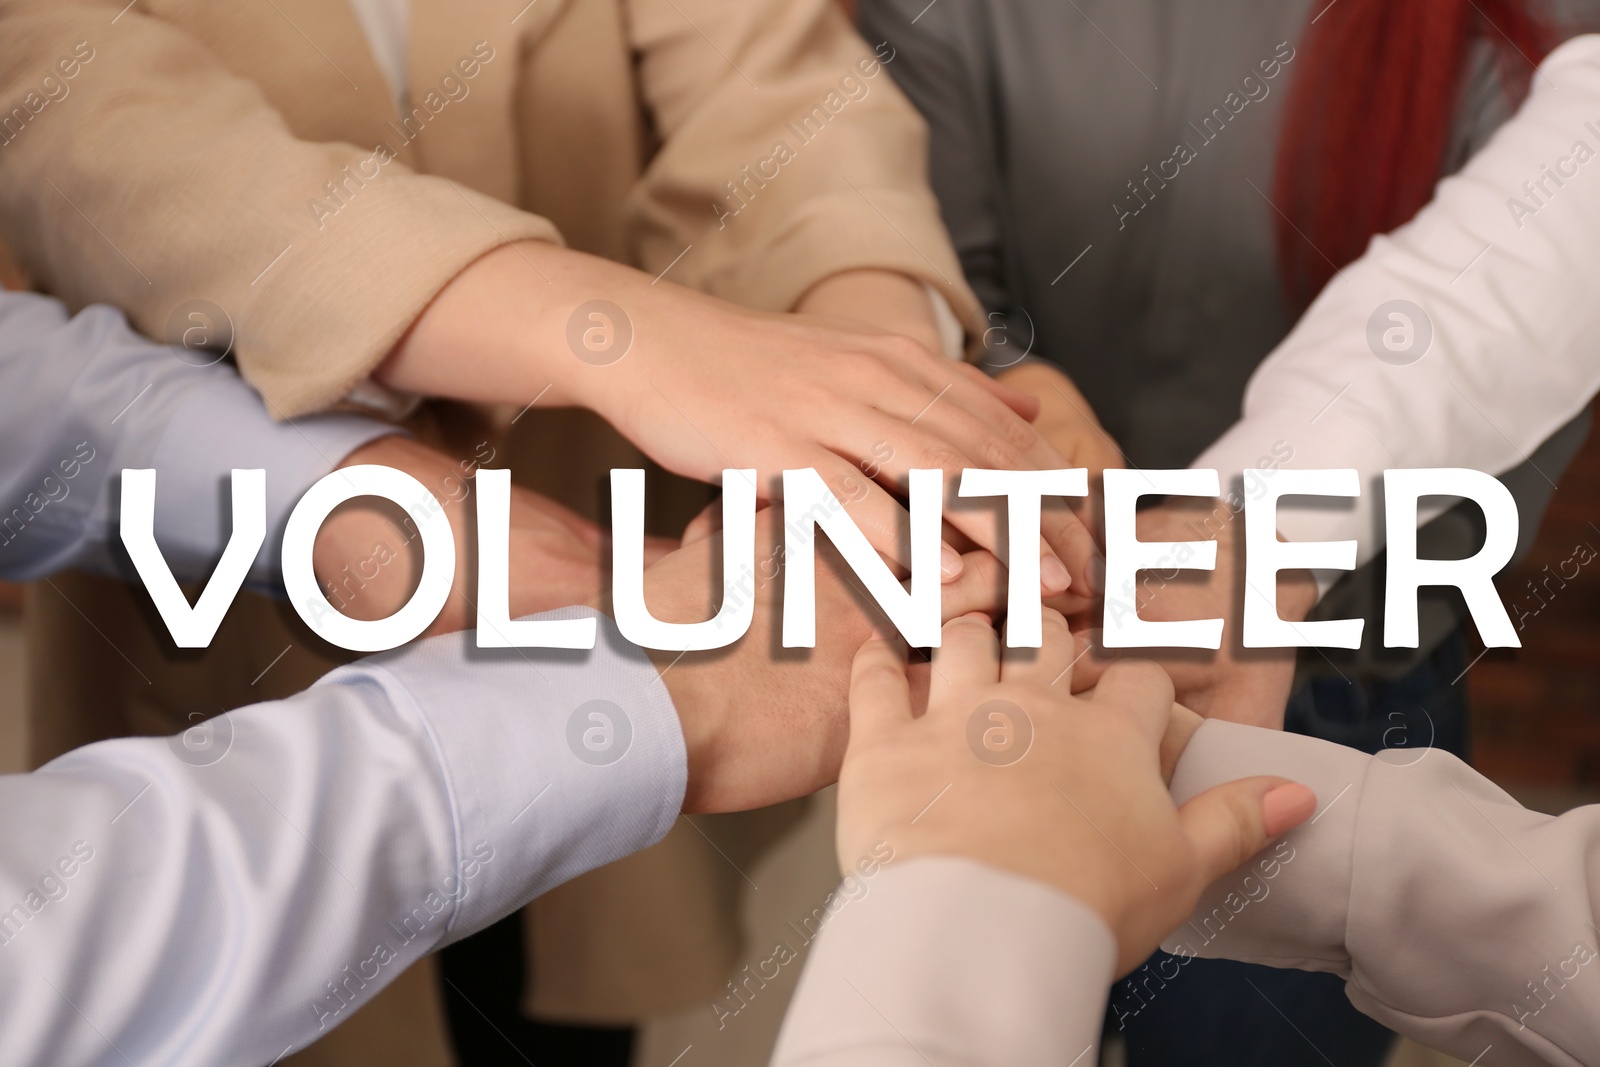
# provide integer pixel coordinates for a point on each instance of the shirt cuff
(1288, 906)
(966, 962)
(222, 425)
(952, 337)
(556, 761)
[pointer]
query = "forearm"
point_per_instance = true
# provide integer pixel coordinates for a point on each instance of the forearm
(1413, 848)
(885, 300)
(514, 326)
(270, 870)
(1502, 291)
(84, 397)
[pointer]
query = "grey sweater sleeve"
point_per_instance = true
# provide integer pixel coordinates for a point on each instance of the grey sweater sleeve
(941, 55)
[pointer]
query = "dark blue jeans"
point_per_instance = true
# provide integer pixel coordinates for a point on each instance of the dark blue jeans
(1218, 1013)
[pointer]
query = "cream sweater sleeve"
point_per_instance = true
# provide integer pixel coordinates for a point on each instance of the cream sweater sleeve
(1455, 915)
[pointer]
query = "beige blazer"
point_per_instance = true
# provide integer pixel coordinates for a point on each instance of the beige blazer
(250, 154)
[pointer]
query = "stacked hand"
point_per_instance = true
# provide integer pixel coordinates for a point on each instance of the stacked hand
(1082, 806)
(764, 723)
(701, 385)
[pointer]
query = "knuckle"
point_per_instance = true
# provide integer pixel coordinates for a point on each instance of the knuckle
(903, 349)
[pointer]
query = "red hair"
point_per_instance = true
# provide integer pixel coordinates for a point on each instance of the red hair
(1369, 118)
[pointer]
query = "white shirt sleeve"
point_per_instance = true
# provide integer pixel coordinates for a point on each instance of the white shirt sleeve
(83, 397)
(225, 896)
(948, 962)
(1499, 270)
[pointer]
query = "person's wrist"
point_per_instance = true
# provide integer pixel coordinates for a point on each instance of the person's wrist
(880, 299)
(699, 709)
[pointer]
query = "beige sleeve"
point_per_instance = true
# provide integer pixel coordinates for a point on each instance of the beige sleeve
(1455, 915)
(788, 154)
(162, 177)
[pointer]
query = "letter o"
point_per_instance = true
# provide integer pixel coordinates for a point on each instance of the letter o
(438, 558)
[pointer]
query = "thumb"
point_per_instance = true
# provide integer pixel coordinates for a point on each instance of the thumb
(1229, 823)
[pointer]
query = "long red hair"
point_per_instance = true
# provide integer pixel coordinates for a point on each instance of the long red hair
(1369, 117)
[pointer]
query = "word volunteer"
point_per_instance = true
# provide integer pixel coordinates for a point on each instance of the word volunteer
(913, 607)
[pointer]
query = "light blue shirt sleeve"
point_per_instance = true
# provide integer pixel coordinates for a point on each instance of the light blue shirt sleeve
(228, 895)
(83, 397)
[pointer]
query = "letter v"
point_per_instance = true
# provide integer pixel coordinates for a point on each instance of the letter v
(193, 627)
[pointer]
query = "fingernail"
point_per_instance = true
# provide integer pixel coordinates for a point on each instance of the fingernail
(1097, 575)
(949, 563)
(1053, 575)
(1286, 807)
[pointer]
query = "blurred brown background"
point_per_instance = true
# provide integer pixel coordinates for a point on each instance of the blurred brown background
(1536, 710)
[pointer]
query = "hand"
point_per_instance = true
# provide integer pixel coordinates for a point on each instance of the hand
(704, 385)
(1065, 418)
(1084, 809)
(1248, 685)
(371, 559)
(761, 723)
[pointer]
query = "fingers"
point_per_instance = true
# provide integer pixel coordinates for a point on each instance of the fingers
(1087, 672)
(878, 515)
(949, 442)
(968, 654)
(880, 694)
(1140, 689)
(1044, 665)
(1232, 822)
(981, 587)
